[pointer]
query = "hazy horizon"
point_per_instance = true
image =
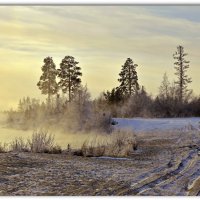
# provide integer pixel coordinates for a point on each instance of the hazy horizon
(100, 38)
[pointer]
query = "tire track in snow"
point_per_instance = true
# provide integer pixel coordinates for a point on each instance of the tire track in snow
(193, 186)
(180, 177)
(183, 165)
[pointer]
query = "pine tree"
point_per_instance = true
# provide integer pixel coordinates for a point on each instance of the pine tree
(114, 96)
(47, 83)
(69, 74)
(181, 66)
(128, 78)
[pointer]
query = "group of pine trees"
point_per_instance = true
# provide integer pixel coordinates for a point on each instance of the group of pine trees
(174, 99)
(69, 78)
(129, 80)
(128, 83)
(68, 102)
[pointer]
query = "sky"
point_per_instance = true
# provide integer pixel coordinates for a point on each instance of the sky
(100, 38)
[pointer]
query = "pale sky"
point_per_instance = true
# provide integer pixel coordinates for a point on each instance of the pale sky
(100, 38)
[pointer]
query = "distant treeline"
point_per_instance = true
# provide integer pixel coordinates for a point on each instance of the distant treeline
(69, 105)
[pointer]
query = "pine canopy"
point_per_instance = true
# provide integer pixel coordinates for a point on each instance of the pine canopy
(69, 74)
(128, 78)
(47, 83)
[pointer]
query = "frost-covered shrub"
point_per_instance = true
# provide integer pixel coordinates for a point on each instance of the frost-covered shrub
(41, 142)
(119, 144)
(93, 148)
(123, 142)
(18, 145)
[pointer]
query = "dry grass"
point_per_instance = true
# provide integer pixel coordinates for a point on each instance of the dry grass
(123, 143)
(120, 143)
(94, 147)
(18, 145)
(3, 147)
(56, 149)
(41, 142)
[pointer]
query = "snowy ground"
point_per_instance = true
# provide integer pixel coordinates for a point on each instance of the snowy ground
(160, 166)
(167, 162)
(158, 124)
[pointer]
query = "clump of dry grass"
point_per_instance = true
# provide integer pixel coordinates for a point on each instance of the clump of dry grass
(56, 149)
(42, 142)
(18, 145)
(120, 143)
(123, 143)
(93, 148)
(3, 147)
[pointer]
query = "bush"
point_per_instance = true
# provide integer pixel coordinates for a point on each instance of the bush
(41, 142)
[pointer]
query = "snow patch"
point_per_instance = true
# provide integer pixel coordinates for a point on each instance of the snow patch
(158, 124)
(112, 158)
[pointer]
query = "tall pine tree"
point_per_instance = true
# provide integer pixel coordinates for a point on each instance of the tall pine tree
(128, 78)
(47, 83)
(69, 74)
(181, 66)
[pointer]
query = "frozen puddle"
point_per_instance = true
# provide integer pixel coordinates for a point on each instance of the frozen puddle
(111, 158)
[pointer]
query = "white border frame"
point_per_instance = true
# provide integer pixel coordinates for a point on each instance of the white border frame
(98, 2)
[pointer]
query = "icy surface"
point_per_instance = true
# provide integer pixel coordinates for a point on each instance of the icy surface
(112, 158)
(145, 125)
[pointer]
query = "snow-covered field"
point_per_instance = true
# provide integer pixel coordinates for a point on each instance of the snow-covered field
(158, 124)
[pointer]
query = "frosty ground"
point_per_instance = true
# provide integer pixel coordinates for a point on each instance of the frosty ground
(167, 162)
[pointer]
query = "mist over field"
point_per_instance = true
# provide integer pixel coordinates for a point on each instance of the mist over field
(62, 138)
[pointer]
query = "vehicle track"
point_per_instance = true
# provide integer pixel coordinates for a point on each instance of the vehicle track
(182, 177)
(182, 166)
(193, 186)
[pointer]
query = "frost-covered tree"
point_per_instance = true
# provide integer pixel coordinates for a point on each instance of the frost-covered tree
(69, 74)
(181, 66)
(47, 83)
(164, 87)
(24, 104)
(82, 106)
(128, 78)
(137, 105)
